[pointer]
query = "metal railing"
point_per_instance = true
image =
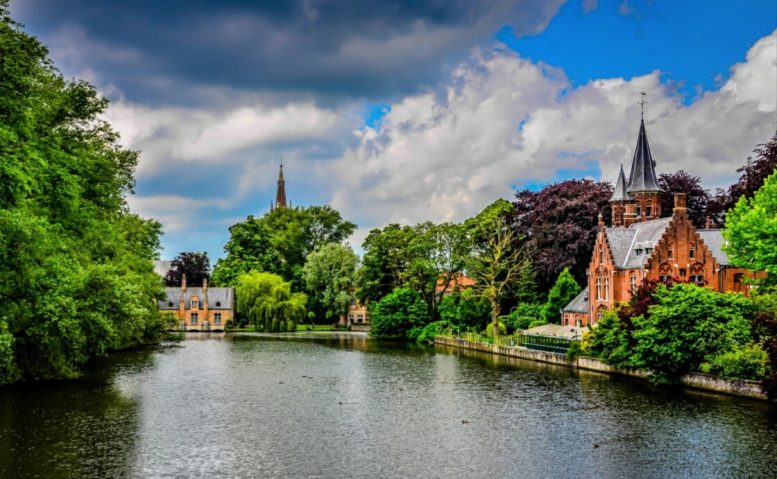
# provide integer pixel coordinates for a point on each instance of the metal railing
(553, 344)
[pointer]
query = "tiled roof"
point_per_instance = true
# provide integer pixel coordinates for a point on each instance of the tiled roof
(628, 244)
(714, 240)
(218, 298)
(457, 282)
(579, 304)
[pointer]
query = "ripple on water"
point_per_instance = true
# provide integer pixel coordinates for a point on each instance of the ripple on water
(352, 407)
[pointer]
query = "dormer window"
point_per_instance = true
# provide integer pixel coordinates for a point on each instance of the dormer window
(648, 250)
(218, 304)
(638, 251)
(193, 304)
(169, 304)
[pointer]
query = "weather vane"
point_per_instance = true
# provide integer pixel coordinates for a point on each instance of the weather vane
(642, 102)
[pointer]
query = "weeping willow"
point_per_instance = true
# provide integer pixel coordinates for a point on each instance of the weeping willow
(268, 302)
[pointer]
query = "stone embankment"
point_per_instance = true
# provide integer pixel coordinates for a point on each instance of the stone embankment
(703, 381)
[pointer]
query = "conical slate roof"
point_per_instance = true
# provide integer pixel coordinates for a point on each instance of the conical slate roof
(620, 193)
(643, 168)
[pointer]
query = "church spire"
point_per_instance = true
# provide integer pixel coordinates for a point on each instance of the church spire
(280, 194)
(643, 169)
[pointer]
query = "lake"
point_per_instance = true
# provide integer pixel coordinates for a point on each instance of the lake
(342, 405)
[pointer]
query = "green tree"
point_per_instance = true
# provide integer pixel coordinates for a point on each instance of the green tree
(76, 278)
(465, 310)
(268, 302)
(329, 276)
(686, 325)
(398, 314)
(751, 230)
(495, 262)
(563, 291)
(279, 242)
(385, 259)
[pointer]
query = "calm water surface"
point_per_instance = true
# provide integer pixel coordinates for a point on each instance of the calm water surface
(347, 406)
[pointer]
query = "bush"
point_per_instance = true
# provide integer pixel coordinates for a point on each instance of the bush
(431, 330)
(609, 341)
(522, 316)
(397, 313)
(490, 329)
(465, 310)
(747, 362)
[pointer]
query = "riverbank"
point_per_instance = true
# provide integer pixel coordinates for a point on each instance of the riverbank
(706, 382)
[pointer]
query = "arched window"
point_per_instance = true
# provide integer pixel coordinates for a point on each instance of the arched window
(598, 288)
(606, 288)
(633, 282)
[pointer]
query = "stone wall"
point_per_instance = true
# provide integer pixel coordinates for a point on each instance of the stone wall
(706, 382)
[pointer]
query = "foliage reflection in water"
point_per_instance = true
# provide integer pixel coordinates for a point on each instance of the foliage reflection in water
(347, 406)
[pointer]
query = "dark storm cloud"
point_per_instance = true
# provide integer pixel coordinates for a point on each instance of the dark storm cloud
(328, 49)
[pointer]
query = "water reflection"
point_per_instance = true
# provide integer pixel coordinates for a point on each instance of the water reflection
(72, 429)
(347, 406)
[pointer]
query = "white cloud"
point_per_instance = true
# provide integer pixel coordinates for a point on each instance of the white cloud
(503, 120)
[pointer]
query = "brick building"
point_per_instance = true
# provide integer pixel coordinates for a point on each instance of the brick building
(199, 309)
(640, 244)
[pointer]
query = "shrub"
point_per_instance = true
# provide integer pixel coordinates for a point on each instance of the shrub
(490, 329)
(465, 310)
(397, 313)
(747, 362)
(609, 341)
(431, 330)
(522, 316)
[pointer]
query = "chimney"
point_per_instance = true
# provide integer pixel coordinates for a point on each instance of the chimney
(205, 284)
(600, 221)
(708, 223)
(183, 283)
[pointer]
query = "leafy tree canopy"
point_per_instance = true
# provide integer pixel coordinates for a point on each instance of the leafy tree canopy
(196, 267)
(559, 224)
(697, 198)
(76, 278)
(397, 314)
(563, 291)
(329, 277)
(751, 230)
(268, 302)
(279, 242)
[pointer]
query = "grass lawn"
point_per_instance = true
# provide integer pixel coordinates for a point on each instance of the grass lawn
(319, 327)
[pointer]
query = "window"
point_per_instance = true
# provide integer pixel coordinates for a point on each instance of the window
(682, 272)
(194, 304)
(633, 282)
(598, 289)
(599, 315)
(217, 319)
(170, 304)
(648, 250)
(698, 279)
(606, 289)
(648, 210)
(193, 319)
(601, 256)
(638, 251)
(664, 278)
(359, 318)
(351, 317)
(218, 304)
(669, 253)
(692, 253)
(639, 212)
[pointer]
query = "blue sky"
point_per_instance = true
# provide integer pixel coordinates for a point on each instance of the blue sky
(409, 111)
